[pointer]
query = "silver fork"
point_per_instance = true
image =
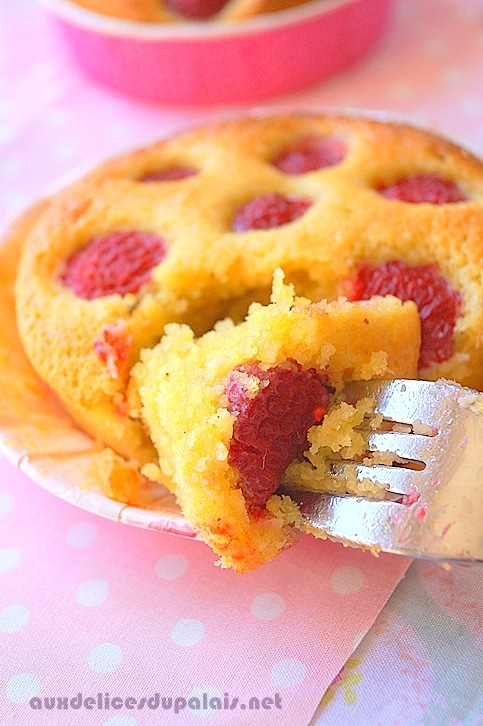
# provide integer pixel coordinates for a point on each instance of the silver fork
(434, 502)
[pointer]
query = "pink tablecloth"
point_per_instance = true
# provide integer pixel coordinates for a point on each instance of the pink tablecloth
(96, 616)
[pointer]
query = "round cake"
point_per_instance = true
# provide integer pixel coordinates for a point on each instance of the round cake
(175, 11)
(190, 231)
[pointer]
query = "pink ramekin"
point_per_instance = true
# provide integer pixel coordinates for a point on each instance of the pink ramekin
(212, 62)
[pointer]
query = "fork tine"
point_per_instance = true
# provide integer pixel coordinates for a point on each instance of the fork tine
(406, 401)
(408, 446)
(444, 520)
(395, 479)
(383, 526)
(375, 525)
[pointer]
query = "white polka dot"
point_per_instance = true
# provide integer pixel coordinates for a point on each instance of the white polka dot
(7, 134)
(171, 567)
(13, 618)
(6, 502)
(121, 720)
(121, 131)
(400, 91)
(10, 168)
(57, 117)
(188, 632)
(22, 687)
(105, 658)
(471, 106)
(92, 592)
(65, 149)
(454, 76)
(267, 606)
(198, 701)
(9, 558)
(435, 48)
(6, 108)
(346, 580)
(81, 535)
(43, 71)
(288, 672)
(16, 199)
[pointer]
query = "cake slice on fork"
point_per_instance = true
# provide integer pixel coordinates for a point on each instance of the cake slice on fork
(229, 412)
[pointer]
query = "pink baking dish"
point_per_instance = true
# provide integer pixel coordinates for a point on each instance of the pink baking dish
(212, 62)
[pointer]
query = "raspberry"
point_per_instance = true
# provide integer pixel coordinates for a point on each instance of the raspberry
(118, 263)
(196, 9)
(271, 425)
(309, 154)
(423, 188)
(269, 210)
(437, 302)
(172, 174)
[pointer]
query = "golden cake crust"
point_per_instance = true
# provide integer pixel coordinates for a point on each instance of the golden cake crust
(157, 11)
(147, 11)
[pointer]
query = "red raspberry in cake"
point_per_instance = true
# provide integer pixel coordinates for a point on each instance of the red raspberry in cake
(438, 304)
(311, 153)
(423, 188)
(271, 423)
(196, 9)
(113, 345)
(269, 210)
(174, 173)
(118, 263)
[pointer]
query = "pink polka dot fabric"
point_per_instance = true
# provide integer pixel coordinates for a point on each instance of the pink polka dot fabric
(103, 623)
(92, 606)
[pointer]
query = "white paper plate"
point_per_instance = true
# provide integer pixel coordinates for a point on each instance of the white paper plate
(38, 437)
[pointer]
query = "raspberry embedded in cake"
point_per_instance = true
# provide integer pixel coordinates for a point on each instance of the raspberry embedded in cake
(268, 211)
(173, 173)
(273, 410)
(437, 302)
(118, 263)
(423, 188)
(309, 154)
(196, 9)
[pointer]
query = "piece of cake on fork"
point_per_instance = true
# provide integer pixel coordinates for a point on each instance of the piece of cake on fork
(230, 411)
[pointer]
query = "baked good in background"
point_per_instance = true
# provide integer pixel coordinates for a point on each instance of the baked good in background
(172, 11)
(191, 230)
